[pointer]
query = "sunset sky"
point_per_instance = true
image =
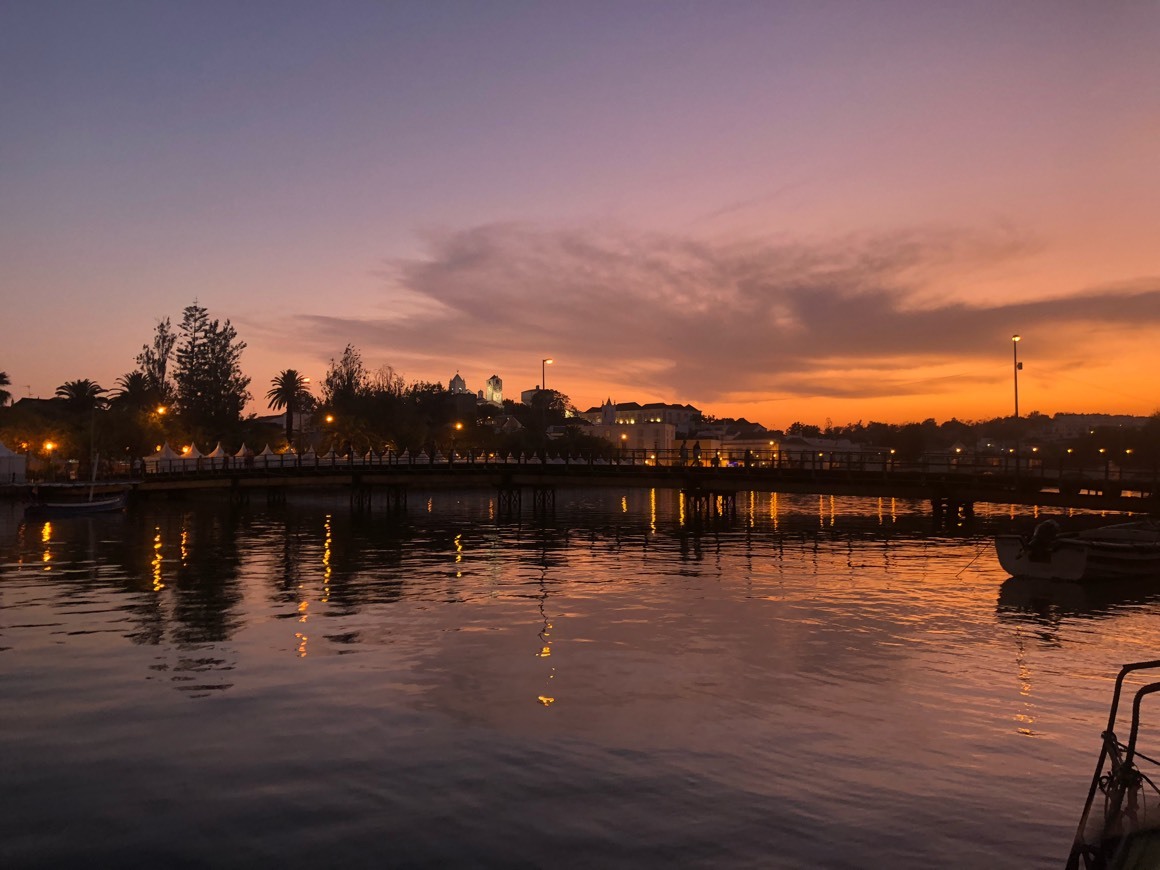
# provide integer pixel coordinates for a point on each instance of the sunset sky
(777, 210)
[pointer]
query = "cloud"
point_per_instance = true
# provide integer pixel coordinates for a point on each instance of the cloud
(680, 317)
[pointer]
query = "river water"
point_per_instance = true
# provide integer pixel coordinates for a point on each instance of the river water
(816, 682)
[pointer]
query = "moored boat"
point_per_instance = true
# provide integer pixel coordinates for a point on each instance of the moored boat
(77, 507)
(1111, 552)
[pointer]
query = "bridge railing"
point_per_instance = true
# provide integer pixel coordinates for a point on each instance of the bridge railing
(1026, 469)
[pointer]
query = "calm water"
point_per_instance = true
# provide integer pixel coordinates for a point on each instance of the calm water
(819, 682)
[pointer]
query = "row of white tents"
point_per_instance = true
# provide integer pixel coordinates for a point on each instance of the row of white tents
(13, 466)
(167, 460)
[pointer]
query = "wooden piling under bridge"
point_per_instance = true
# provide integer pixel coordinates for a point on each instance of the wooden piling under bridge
(709, 504)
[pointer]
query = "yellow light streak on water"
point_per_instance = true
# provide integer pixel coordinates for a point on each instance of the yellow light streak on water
(327, 549)
(158, 583)
(46, 539)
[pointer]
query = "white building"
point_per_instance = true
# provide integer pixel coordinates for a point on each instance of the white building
(682, 417)
(493, 391)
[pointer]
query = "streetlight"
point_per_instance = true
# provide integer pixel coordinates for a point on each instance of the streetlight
(544, 363)
(1018, 366)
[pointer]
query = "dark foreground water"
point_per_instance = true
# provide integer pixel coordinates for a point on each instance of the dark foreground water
(817, 683)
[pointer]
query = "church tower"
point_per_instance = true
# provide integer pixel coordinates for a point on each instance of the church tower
(493, 392)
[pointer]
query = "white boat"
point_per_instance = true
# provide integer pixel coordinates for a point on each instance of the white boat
(1107, 553)
(51, 508)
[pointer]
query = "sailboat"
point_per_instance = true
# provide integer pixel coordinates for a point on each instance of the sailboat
(66, 500)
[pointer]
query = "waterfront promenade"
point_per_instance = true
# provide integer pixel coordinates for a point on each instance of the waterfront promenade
(948, 484)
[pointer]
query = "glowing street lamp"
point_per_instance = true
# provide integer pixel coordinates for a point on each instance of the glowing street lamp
(544, 363)
(1018, 365)
(456, 428)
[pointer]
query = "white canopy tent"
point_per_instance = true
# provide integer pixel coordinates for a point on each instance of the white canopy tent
(13, 466)
(266, 458)
(217, 458)
(164, 460)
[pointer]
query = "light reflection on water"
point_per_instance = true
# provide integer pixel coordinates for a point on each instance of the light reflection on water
(813, 682)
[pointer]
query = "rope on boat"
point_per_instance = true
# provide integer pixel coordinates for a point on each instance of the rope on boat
(982, 547)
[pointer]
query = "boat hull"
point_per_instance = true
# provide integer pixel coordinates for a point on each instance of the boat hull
(1078, 559)
(55, 509)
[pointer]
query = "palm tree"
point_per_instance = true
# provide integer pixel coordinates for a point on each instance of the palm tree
(135, 392)
(4, 394)
(289, 390)
(81, 395)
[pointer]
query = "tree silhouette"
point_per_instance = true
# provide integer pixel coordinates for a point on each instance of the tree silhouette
(5, 396)
(154, 361)
(136, 392)
(81, 395)
(211, 388)
(346, 381)
(288, 390)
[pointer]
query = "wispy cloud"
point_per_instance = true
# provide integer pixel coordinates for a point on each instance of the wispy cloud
(711, 318)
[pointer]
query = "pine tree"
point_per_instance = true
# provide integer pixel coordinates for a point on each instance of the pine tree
(211, 389)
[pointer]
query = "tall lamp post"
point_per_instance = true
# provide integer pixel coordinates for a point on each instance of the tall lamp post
(544, 363)
(1015, 370)
(1018, 366)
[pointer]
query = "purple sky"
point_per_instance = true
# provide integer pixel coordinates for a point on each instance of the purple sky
(777, 210)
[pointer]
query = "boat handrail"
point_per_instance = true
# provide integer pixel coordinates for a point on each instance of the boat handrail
(1124, 671)
(1146, 690)
(1109, 740)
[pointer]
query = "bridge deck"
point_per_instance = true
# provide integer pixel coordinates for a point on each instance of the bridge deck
(944, 485)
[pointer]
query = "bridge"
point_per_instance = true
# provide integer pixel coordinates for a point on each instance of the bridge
(948, 484)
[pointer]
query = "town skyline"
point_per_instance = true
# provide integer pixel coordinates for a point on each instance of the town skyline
(259, 406)
(768, 212)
